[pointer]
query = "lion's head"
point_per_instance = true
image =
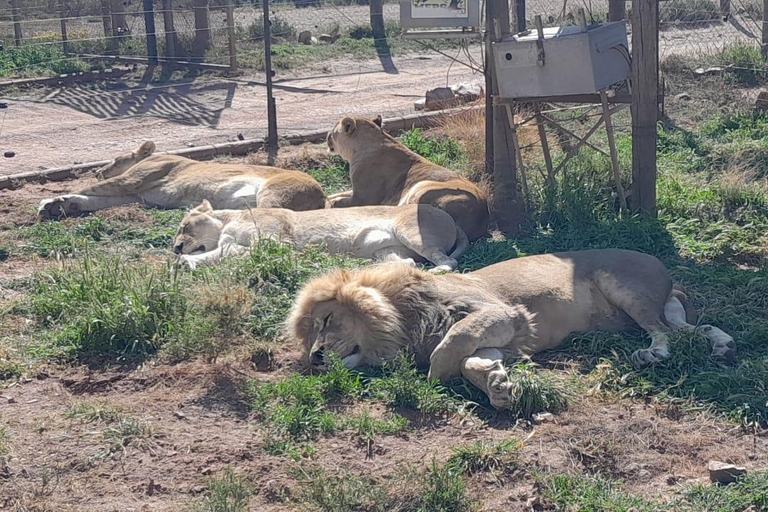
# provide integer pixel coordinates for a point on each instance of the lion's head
(366, 316)
(353, 131)
(198, 232)
(124, 162)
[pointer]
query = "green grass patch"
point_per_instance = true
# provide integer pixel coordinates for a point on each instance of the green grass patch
(90, 412)
(534, 392)
(484, 457)
(227, 493)
(689, 11)
(38, 60)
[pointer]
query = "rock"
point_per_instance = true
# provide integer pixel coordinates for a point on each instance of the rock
(313, 40)
(180, 415)
(327, 38)
(207, 471)
(190, 145)
(305, 37)
(543, 417)
(11, 400)
(467, 93)
(9, 154)
(534, 503)
(240, 136)
(440, 98)
(761, 103)
(724, 473)
(198, 489)
(420, 104)
(3, 104)
(683, 96)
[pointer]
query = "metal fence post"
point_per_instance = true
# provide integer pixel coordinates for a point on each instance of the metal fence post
(170, 30)
(617, 9)
(231, 33)
(520, 15)
(149, 24)
(18, 37)
(63, 13)
(271, 107)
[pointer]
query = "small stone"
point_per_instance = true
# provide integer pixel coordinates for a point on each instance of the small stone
(198, 489)
(305, 37)
(326, 38)
(724, 473)
(420, 104)
(3, 105)
(9, 154)
(683, 96)
(11, 400)
(190, 145)
(533, 503)
(180, 415)
(543, 417)
(240, 136)
(207, 471)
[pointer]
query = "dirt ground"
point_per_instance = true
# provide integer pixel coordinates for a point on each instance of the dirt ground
(201, 425)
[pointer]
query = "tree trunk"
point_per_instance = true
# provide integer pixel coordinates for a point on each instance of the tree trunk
(377, 19)
(202, 29)
(119, 23)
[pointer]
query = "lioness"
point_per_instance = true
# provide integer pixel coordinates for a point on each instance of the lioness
(468, 324)
(406, 233)
(383, 171)
(168, 181)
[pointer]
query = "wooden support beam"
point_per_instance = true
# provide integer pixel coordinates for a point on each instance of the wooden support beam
(645, 90)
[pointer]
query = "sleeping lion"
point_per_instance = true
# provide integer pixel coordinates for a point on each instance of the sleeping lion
(469, 324)
(169, 181)
(384, 171)
(409, 233)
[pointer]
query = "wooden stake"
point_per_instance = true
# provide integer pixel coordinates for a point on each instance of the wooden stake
(170, 30)
(18, 37)
(149, 23)
(271, 107)
(612, 148)
(231, 34)
(63, 13)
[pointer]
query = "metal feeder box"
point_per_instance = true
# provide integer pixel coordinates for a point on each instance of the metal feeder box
(567, 61)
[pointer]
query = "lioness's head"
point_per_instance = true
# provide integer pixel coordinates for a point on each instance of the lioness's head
(357, 315)
(351, 131)
(198, 232)
(124, 162)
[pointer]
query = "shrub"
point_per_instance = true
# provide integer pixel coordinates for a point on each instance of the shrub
(280, 28)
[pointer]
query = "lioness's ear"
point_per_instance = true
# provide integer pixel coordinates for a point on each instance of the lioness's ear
(204, 207)
(378, 121)
(147, 149)
(348, 124)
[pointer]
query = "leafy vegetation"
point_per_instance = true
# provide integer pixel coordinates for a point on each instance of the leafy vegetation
(482, 456)
(227, 493)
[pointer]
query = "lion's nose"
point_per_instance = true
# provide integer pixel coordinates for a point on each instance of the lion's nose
(178, 247)
(316, 358)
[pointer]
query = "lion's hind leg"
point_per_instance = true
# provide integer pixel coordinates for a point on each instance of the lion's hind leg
(72, 205)
(723, 345)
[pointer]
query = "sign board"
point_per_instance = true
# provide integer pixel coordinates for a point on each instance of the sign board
(440, 14)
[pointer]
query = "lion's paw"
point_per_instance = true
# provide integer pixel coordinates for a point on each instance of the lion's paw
(723, 345)
(56, 208)
(646, 356)
(499, 388)
(187, 262)
(442, 269)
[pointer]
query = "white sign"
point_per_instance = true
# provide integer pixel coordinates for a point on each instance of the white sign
(424, 9)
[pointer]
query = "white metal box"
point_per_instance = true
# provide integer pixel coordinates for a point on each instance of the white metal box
(574, 62)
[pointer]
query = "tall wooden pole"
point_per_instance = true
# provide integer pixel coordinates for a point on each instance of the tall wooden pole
(645, 104)
(106, 20)
(170, 31)
(489, 71)
(18, 37)
(765, 29)
(520, 15)
(271, 107)
(149, 23)
(617, 10)
(508, 208)
(231, 35)
(63, 13)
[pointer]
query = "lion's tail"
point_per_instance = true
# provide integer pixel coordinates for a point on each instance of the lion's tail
(690, 313)
(462, 244)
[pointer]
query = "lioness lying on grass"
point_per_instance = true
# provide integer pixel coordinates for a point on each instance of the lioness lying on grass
(384, 171)
(469, 324)
(168, 181)
(406, 233)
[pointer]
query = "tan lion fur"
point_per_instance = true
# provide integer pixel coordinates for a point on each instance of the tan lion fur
(468, 324)
(169, 181)
(384, 171)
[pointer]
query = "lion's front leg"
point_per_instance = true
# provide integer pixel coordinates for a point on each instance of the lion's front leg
(485, 369)
(341, 200)
(71, 205)
(494, 326)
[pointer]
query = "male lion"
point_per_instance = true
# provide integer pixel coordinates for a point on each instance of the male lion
(383, 171)
(168, 181)
(397, 233)
(468, 324)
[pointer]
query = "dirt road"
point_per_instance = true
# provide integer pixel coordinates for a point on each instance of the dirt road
(90, 122)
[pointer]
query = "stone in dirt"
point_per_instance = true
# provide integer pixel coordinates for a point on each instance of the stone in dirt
(543, 417)
(305, 37)
(420, 104)
(467, 93)
(440, 98)
(724, 473)
(761, 103)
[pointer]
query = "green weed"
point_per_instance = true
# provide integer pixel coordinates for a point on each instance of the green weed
(402, 385)
(482, 456)
(228, 493)
(533, 392)
(90, 412)
(443, 490)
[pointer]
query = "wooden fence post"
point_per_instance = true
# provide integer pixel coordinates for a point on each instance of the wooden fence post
(170, 30)
(109, 34)
(617, 10)
(63, 13)
(18, 37)
(149, 24)
(764, 41)
(119, 23)
(271, 107)
(231, 35)
(202, 29)
(520, 15)
(645, 104)
(725, 8)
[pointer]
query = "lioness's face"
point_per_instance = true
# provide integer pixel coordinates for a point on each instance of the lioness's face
(336, 330)
(199, 232)
(124, 162)
(350, 132)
